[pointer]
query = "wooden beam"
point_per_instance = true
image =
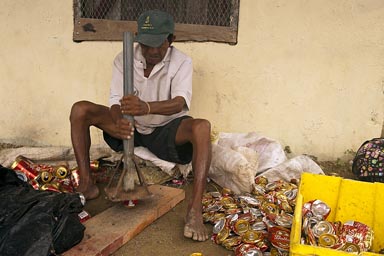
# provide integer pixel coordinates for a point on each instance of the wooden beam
(109, 230)
(86, 29)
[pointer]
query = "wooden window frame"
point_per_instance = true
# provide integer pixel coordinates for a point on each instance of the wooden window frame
(87, 29)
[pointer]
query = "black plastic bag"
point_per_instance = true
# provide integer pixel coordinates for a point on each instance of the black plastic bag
(36, 223)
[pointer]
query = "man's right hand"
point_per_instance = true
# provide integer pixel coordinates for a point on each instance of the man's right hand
(125, 128)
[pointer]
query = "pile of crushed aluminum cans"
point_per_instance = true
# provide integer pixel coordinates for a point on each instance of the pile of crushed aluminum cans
(58, 178)
(351, 236)
(256, 223)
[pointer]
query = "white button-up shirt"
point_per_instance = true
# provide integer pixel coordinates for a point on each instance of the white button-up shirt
(169, 78)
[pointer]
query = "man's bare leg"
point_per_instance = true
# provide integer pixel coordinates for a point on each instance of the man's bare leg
(83, 115)
(197, 131)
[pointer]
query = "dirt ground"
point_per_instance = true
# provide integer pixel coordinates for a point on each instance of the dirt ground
(164, 237)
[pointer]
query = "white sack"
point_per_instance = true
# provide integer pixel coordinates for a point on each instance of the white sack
(292, 169)
(233, 168)
(270, 152)
(165, 166)
(238, 157)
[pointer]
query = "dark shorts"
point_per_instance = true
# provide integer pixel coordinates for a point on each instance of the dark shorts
(160, 142)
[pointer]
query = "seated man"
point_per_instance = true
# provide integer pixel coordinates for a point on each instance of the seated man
(162, 97)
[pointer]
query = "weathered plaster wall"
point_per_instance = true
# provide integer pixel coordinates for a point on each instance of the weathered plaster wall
(307, 73)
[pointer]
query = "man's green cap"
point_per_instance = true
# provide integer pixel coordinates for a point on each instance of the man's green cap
(153, 27)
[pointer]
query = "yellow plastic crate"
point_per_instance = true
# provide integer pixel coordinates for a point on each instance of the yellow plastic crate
(349, 200)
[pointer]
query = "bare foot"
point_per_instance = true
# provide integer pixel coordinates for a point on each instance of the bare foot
(90, 192)
(194, 227)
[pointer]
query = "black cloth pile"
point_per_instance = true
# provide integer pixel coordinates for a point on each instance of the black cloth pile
(36, 223)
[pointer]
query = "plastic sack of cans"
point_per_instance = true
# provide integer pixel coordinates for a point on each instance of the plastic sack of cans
(351, 236)
(255, 224)
(56, 178)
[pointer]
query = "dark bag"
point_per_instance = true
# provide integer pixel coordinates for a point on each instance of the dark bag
(34, 222)
(368, 164)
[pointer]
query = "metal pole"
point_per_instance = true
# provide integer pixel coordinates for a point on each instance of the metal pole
(128, 82)
(129, 168)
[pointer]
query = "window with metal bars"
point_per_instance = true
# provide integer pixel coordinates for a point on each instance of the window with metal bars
(195, 20)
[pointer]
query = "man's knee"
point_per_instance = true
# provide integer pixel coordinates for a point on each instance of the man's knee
(201, 127)
(79, 110)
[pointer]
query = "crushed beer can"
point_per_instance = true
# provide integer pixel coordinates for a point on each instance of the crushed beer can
(95, 165)
(252, 236)
(248, 250)
(66, 185)
(50, 187)
(24, 165)
(357, 233)
(231, 242)
(61, 172)
(220, 224)
(279, 237)
(130, 203)
(328, 241)
(45, 176)
(241, 226)
(316, 208)
(84, 216)
(75, 177)
(222, 235)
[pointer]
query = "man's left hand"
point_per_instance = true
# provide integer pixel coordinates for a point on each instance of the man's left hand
(132, 105)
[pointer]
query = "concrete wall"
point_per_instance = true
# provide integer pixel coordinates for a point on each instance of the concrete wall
(307, 73)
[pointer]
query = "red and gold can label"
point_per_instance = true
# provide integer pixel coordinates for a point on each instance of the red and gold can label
(231, 242)
(50, 187)
(222, 235)
(84, 216)
(323, 227)
(94, 165)
(328, 240)
(61, 172)
(279, 237)
(252, 237)
(357, 233)
(66, 185)
(75, 177)
(247, 249)
(351, 248)
(34, 184)
(241, 226)
(45, 176)
(25, 166)
(130, 203)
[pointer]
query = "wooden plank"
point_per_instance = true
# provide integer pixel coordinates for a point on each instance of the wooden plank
(109, 230)
(86, 29)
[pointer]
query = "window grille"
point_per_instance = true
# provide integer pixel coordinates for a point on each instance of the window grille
(195, 20)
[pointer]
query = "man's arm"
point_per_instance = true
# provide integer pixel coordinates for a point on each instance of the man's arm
(115, 113)
(167, 107)
(132, 105)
